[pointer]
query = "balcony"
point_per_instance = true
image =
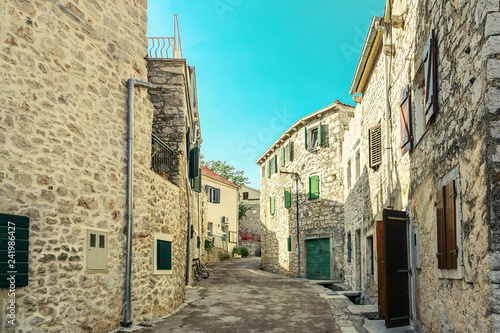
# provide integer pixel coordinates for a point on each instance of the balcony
(166, 47)
(162, 158)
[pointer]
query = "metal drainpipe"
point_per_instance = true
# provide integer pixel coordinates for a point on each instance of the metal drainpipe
(128, 265)
(387, 125)
(188, 250)
(297, 202)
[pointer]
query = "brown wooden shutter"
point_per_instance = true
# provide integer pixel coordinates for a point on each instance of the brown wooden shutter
(451, 229)
(405, 121)
(430, 78)
(375, 138)
(441, 229)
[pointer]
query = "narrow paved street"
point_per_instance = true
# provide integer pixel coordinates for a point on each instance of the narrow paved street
(239, 297)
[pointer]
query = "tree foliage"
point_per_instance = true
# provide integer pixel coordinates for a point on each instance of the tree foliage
(242, 211)
(227, 171)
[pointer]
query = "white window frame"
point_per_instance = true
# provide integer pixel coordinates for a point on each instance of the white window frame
(165, 238)
(310, 129)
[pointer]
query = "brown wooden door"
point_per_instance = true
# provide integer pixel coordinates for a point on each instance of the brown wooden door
(381, 269)
(397, 293)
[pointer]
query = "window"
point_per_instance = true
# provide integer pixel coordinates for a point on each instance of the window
(375, 143)
(162, 254)
(97, 250)
(447, 249)
(289, 244)
(430, 78)
(405, 121)
(210, 228)
(233, 237)
(286, 153)
(349, 176)
(358, 165)
(370, 265)
(245, 195)
(349, 247)
(288, 197)
(313, 187)
(213, 194)
(272, 205)
(313, 137)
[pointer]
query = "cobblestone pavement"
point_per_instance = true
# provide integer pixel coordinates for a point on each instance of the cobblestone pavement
(239, 297)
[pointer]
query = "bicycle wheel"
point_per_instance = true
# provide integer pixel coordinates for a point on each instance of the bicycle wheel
(204, 272)
(197, 273)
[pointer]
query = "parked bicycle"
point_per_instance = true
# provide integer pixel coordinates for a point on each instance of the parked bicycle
(199, 270)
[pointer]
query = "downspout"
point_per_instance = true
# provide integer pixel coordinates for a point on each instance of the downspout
(297, 202)
(128, 265)
(388, 147)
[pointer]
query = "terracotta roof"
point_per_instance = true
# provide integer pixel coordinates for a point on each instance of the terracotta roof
(207, 172)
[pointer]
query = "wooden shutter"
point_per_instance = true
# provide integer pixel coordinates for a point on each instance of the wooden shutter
(405, 121)
(288, 197)
(313, 187)
(272, 205)
(245, 195)
(430, 78)
(217, 195)
(164, 255)
(441, 229)
(194, 161)
(450, 226)
(14, 228)
(275, 163)
(320, 136)
(290, 151)
(197, 182)
(288, 244)
(283, 156)
(375, 143)
(268, 168)
(305, 137)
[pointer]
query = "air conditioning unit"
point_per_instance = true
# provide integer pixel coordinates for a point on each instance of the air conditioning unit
(225, 219)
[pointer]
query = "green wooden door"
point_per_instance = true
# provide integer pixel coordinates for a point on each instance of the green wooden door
(318, 259)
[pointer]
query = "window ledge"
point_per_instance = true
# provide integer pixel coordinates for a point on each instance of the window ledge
(452, 274)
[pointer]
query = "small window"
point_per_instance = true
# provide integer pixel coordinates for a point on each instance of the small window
(370, 264)
(349, 247)
(162, 254)
(313, 137)
(272, 205)
(446, 227)
(375, 138)
(289, 244)
(245, 195)
(97, 250)
(213, 194)
(313, 187)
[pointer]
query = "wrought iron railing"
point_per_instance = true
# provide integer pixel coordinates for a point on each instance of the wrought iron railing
(218, 241)
(162, 157)
(166, 47)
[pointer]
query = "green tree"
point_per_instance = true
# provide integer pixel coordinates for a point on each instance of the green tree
(242, 211)
(227, 171)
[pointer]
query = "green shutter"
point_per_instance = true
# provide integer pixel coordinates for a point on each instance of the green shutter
(268, 168)
(289, 244)
(305, 137)
(290, 157)
(163, 255)
(313, 187)
(197, 182)
(217, 195)
(283, 156)
(194, 161)
(272, 203)
(288, 197)
(275, 163)
(320, 139)
(14, 228)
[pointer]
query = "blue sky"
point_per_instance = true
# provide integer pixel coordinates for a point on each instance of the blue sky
(262, 65)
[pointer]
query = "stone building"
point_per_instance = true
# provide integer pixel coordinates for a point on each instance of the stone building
(249, 226)
(73, 83)
(420, 167)
(301, 184)
(222, 211)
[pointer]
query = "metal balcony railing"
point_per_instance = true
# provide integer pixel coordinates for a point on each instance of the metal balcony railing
(166, 47)
(162, 157)
(218, 241)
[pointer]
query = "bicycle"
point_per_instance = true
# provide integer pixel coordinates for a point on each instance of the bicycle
(199, 270)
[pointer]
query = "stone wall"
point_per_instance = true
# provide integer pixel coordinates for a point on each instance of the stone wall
(318, 218)
(63, 135)
(250, 227)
